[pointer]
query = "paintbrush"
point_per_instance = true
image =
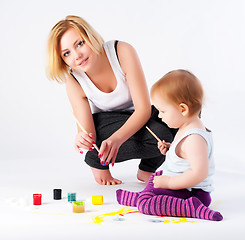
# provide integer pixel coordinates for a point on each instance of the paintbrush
(83, 129)
(155, 136)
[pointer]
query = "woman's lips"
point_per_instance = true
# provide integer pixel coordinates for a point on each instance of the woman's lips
(83, 62)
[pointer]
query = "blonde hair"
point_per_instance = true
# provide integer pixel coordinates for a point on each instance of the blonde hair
(180, 86)
(56, 67)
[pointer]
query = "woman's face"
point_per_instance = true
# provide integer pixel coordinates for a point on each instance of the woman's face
(75, 52)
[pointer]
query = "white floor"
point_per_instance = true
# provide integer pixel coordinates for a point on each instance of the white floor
(54, 219)
(36, 121)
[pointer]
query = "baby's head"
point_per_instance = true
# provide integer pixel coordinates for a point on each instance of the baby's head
(180, 87)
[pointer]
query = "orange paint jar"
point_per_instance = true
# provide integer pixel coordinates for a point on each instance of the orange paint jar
(78, 207)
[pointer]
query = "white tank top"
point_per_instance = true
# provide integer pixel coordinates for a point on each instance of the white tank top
(119, 99)
(174, 165)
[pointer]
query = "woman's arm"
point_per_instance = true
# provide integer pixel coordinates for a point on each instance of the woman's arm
(135, 78)
(82, 111)
(193, 148)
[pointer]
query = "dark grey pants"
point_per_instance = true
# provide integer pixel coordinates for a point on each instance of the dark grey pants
(142, 145)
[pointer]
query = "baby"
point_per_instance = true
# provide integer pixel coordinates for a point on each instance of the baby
(182, 188)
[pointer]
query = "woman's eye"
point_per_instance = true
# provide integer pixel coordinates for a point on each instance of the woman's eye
(66, 54)
(81, 43)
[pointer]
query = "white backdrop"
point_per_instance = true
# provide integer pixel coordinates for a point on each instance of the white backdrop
(205, 37)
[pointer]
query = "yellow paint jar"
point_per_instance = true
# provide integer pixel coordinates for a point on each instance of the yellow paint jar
(78, 207)
(97, 200)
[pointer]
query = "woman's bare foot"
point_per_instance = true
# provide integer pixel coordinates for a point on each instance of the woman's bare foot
(103, 177)
(143, 176)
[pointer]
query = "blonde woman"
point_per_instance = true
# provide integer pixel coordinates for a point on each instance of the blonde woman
(107, 90)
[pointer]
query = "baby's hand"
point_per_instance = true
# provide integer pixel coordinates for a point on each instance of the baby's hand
(163, 147)
(161, 181)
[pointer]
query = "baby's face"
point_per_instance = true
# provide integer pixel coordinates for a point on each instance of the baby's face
(169, 112)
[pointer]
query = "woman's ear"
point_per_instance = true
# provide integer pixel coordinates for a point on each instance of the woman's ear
(184, 109)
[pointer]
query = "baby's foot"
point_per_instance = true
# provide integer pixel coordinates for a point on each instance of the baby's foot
(195, 209)
(127, 198)
(103, 177)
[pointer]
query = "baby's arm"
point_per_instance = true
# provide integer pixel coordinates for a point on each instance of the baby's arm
(195, 150)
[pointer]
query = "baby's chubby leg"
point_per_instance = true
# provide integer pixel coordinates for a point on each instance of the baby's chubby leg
(163, 205)
(128, 198)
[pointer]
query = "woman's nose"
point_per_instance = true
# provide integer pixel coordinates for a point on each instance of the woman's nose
(78, 54)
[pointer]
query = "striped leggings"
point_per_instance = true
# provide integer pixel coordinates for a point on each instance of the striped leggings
(164, 202)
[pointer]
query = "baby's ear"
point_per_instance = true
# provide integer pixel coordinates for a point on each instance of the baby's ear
(184, 109)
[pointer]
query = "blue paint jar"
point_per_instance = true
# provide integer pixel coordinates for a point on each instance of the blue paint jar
(71, 197)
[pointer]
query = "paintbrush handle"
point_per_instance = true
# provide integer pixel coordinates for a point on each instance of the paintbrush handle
(155, 136)
(83, 129)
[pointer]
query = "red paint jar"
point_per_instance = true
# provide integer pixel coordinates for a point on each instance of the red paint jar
(37, 199)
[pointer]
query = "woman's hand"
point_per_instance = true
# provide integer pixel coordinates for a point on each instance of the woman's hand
(108, 150)
(84, 141)
(163, 147)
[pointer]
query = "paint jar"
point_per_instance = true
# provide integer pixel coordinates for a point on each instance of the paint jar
(57, 194)
(71, 197)
(97, 200)
(78, 207)
(37, 199)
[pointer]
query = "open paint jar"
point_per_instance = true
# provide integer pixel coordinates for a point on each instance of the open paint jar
(78, 207)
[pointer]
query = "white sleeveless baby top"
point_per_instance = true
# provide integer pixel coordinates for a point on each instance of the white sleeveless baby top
(117, 100)
(174, 165)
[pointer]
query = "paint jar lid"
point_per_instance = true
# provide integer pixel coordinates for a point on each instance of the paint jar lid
(78, 203)
(57, 194)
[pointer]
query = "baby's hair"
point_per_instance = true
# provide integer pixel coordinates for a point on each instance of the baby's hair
(180, 86)
(56, 67)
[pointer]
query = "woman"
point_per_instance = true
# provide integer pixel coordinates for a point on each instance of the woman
(109, 96)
